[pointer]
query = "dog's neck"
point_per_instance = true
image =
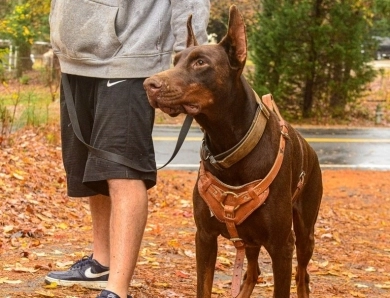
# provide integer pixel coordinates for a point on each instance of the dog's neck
(229, 122)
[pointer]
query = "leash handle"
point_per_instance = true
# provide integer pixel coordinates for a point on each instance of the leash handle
(110, 156)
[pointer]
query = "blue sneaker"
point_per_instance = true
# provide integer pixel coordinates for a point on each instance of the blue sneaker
(109, 294)
(87, 273)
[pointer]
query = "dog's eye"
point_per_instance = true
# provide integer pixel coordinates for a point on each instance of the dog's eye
(199, 63)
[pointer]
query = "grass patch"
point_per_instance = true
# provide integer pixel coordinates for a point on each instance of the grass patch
(26, 103)
(28, 107)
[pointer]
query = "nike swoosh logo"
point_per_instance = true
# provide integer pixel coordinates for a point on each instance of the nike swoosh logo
(89, 274)
(114, 83)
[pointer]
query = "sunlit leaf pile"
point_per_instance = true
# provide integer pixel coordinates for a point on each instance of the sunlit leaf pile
(41, 229)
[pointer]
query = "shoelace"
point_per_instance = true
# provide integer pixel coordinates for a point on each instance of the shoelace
(81, 263)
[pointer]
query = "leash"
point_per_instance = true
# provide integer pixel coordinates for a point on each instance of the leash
(110, 156)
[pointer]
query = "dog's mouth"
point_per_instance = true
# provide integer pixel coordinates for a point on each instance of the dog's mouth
(171, 111)
(171, 101)
(192, 109)
(174, 111)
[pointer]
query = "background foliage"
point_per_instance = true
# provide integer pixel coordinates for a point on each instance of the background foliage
(312, 55)
(23, 22)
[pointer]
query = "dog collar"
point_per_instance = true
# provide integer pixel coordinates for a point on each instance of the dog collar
(244, 147)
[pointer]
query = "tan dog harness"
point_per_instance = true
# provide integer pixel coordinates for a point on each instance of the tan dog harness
(233, 204)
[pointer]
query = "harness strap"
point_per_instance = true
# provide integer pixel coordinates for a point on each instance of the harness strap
(301, 181)
(240, 249)
(110, 156)
(237, 271)
(270, 103)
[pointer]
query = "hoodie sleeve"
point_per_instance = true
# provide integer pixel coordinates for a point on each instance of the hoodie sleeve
(181, 9)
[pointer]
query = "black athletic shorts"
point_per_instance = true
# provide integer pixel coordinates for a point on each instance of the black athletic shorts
(115, 116)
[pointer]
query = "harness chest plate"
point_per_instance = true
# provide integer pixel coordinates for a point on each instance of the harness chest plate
(233, 204)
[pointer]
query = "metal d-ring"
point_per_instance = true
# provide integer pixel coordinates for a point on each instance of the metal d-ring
(225, 194)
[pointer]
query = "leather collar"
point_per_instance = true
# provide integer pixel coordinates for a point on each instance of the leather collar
(244, 147)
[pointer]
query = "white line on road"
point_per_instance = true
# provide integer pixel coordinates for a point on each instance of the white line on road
(323, 166)
(310, 140)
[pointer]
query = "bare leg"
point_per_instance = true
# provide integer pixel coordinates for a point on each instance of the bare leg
(129, 210)
(100, 207)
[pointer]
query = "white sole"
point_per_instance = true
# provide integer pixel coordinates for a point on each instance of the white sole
(96, 285)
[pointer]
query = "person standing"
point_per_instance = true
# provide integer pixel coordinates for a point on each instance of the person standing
(106, 49)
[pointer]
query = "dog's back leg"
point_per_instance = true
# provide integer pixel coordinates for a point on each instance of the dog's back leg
(304, 217)
(252, 272)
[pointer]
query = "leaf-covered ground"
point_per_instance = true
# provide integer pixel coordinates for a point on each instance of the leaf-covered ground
(41, 229)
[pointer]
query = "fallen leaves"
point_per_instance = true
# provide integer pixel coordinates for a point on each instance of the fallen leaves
(42, 293)
(5, 280)
(41, 229)
(19, 268)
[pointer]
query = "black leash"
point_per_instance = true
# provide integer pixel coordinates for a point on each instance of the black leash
(110, 156)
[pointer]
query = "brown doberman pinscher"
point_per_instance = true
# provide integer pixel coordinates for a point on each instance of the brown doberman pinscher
(259, 181)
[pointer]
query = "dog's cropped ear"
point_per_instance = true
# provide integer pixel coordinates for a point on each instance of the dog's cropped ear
(235, 42)
(191, 39)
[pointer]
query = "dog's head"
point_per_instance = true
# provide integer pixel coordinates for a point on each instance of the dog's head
(202, 74)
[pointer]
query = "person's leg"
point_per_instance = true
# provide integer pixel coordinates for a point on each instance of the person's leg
(87, 272)
(123, 123)
(128, 219)
(100, 207)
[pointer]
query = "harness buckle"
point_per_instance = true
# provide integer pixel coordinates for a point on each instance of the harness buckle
(235, 239)
(285, 135)
(214, 162)
(302, 177)
(205, 153)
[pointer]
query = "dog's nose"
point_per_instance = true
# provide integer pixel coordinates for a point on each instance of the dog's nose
(152, 84)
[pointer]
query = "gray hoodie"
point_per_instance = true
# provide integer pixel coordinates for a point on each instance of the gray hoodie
(122, 38)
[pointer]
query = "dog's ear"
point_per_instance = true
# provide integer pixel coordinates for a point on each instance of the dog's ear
(235, 42)
(191, 39)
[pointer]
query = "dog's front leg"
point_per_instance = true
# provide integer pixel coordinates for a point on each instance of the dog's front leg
(252, 273)
(206, 255)
(281, 255)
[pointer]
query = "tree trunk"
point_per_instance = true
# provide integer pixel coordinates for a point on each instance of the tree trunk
(308, 98)
(24, 60)
(338, 97)
(308, 93)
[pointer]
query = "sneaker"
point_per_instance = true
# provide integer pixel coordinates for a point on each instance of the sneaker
(109, 294)
(87, 273)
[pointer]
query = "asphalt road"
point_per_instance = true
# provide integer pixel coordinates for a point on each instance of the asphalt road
(336, 148)
(384, 63)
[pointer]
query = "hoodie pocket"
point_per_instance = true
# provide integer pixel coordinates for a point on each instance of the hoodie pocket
(84, 29)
